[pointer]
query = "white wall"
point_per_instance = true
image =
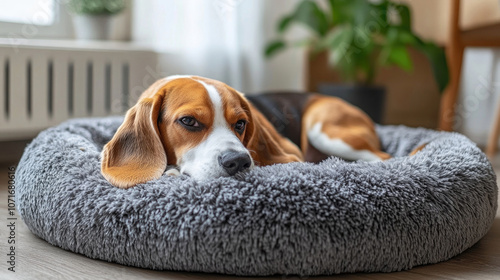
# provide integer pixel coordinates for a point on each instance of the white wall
(479, 93)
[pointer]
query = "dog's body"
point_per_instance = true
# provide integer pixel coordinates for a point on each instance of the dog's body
(320, 125)
(207, 129)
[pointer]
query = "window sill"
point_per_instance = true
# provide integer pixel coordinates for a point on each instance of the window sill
(115, 46)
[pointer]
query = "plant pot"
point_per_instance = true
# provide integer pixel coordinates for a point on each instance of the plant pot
(370, 99)
(93, 27)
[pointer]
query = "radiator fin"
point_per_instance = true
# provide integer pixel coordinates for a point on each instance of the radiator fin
(4, 82)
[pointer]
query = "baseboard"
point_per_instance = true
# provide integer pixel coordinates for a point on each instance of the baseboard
(11, 151)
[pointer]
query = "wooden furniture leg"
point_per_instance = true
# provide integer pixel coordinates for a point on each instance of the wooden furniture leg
(491, 147)
(455, 53)
(450, 96)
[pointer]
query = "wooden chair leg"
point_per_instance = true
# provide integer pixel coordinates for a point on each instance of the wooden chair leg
(450, 96)
(454, 51)
(491, 147)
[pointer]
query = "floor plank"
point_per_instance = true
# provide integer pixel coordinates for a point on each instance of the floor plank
(36, 259)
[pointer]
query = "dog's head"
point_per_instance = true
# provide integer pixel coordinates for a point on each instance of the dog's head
(204, 127)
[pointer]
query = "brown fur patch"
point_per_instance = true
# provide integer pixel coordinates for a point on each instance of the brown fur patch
(418, 149)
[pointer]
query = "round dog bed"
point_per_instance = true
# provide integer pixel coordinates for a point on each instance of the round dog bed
(296, 218)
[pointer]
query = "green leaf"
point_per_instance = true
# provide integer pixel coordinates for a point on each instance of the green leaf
(437, 58)
(340, 54)
(343, 60)
(400, 36)
(369, 15)
(274, 47)
(339, 42)
(341, 36)
(399, 55)
(339, 11)
(406, 37)
(362, 38)
(284, 23)
(333, 12)
(392, 36)
(405, 15)
(312, 16)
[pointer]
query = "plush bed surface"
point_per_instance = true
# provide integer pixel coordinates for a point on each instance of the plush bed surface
(296, 218)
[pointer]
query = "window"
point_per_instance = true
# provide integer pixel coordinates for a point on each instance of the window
(37, 12)
(35, 19)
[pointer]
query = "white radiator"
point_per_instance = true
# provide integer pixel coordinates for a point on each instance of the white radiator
(43, 83)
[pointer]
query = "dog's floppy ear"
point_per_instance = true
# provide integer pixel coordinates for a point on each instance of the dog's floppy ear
(265, 144)
(136, 154)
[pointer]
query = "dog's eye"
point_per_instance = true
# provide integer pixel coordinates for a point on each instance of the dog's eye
(239, 126)
(190, 122)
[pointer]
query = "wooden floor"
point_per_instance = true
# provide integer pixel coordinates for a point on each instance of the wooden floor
(36, 259)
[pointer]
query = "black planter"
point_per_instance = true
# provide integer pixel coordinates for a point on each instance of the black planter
(370, 99)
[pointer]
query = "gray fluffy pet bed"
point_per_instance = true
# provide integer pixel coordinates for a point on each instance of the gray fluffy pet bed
(297, 218)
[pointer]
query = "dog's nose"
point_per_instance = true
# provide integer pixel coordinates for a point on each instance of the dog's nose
(234, 162)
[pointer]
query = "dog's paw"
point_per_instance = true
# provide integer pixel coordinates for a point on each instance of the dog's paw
(172, 172)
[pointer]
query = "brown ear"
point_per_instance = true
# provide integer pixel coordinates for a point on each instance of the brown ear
(135, 154)
(265, 144)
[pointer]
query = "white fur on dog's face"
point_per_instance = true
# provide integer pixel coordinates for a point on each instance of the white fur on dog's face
(201, 161)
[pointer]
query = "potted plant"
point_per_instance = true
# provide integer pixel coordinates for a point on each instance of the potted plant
(360, 36)
(93, 19)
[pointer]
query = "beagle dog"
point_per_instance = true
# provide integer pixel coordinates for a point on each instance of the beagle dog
(205, 129)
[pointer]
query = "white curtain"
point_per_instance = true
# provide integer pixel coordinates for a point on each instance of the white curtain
(479, 93)
(220, 39)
